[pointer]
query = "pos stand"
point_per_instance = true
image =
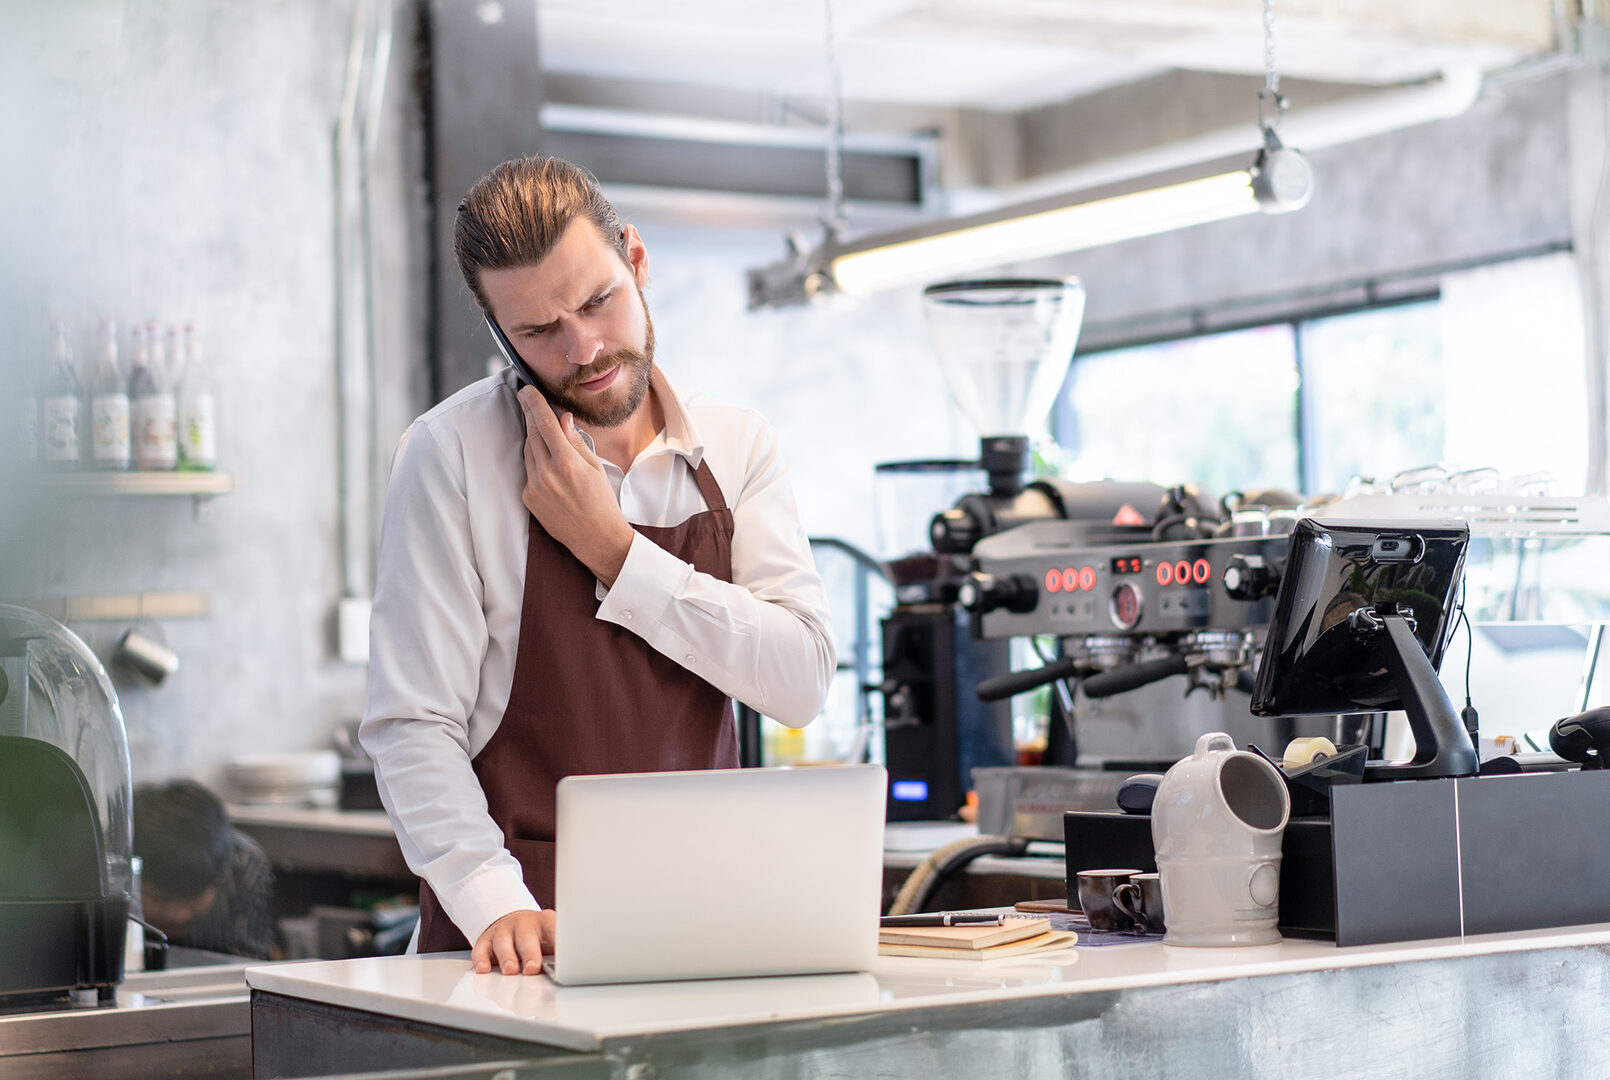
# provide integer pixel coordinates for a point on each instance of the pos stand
(1442, 746)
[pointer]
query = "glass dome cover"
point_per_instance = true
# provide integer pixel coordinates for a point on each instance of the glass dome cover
(54, 690)
(1005, 345)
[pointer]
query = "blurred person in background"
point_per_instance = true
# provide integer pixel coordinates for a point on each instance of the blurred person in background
(204, 883)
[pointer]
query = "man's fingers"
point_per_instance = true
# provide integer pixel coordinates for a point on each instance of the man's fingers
(481, 955)
(528, 941)
(514, 944)
(503, 947)
(574, 436)
(539, 416)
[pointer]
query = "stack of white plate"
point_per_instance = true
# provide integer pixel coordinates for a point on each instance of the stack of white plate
(303, 778)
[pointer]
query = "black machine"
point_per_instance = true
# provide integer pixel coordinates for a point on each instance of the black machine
(1349, 619)
(938, 728)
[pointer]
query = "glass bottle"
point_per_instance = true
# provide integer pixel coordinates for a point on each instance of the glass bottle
(198, 429)
(154, 408)
(61, 407)
(109, 402)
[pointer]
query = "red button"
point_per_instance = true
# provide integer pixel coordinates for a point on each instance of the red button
(1053, 581)
(1200, 571)
(1087, 578)
(1165, 573)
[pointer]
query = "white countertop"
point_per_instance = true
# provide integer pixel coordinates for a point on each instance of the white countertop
(441, 989)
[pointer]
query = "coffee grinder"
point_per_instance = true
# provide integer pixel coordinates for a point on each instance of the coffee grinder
(1005, 346)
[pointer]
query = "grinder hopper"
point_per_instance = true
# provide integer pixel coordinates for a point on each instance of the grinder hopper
(1005, 345)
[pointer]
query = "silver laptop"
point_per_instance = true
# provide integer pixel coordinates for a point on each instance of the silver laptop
(698, 875)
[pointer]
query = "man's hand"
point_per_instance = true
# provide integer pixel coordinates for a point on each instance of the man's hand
(567, 490)
(515, 943)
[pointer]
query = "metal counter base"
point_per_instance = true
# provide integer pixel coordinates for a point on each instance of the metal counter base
(185, 1024)
(1465, 1009)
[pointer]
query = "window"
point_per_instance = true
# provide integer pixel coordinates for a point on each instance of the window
(1490, 373)
(1219, 411)
(1373, 394)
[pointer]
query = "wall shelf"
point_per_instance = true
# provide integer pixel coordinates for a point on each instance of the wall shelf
(198, 484)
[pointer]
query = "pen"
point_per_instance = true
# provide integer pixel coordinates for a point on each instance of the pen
(947, 918)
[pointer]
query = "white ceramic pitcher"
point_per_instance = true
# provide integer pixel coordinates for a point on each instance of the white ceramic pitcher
(1217, 824)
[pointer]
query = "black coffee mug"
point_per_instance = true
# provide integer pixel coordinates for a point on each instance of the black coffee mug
(1097, 899)
(1141, 899)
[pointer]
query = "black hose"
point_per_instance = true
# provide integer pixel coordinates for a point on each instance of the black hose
(923, 882)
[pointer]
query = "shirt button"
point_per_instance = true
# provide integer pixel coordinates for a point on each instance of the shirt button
(690, 658)
(626, 616)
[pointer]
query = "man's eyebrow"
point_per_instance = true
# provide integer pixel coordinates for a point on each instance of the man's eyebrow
(599, 290)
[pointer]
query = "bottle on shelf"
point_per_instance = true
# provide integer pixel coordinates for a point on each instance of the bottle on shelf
(109, 402)
(198, 428)
(154, 408)
(61, 407)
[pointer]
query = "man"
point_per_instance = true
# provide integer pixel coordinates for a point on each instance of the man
(202, 882)
(573, 577)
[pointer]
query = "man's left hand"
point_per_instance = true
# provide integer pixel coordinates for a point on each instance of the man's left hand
(568, 491)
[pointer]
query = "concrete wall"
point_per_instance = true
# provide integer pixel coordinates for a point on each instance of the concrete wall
(175, 161)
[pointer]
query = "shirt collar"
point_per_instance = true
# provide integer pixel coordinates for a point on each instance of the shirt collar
(679, 435)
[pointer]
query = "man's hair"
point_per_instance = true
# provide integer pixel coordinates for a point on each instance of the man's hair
(182, 836)
(515, 214)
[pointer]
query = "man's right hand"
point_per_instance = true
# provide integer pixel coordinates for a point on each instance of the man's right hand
(515, 943)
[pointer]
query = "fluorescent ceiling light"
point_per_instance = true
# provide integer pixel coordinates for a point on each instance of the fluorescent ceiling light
(1277, 182)
(1033, 235)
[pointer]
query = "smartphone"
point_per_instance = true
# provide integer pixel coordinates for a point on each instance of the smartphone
(525, 373)
(521, 369)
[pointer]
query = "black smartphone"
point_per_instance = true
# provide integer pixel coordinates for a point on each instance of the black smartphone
(521, 369)
(527, 376)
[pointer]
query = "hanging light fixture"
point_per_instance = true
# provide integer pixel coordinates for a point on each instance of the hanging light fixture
(1277, 181)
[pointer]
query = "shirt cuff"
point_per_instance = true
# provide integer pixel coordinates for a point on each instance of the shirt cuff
(649, 580)
(485, 898)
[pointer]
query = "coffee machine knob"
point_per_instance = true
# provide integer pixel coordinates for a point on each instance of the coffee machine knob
(955, 531)
(982, 593)
(1250, 577)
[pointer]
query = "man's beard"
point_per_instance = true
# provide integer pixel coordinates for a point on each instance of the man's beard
(619, 402)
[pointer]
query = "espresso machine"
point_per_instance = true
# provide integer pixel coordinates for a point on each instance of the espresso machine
(1004, 346)
(66, 838)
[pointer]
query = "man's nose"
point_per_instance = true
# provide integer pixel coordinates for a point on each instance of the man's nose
(582, 346)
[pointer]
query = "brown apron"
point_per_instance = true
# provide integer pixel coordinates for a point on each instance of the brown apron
(591, 697)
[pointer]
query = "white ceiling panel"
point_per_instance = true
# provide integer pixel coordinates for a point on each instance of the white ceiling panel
(1014, 54)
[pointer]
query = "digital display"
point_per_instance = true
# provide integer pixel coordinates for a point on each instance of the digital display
(1126, 564)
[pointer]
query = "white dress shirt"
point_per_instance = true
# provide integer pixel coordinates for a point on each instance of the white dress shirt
(450, 583)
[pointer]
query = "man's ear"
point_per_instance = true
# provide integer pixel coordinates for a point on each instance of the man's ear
(637, 255)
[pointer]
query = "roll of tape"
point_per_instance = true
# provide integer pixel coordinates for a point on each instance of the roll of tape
(1300, 752)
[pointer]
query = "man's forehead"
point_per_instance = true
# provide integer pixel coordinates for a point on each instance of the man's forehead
(581, 264)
